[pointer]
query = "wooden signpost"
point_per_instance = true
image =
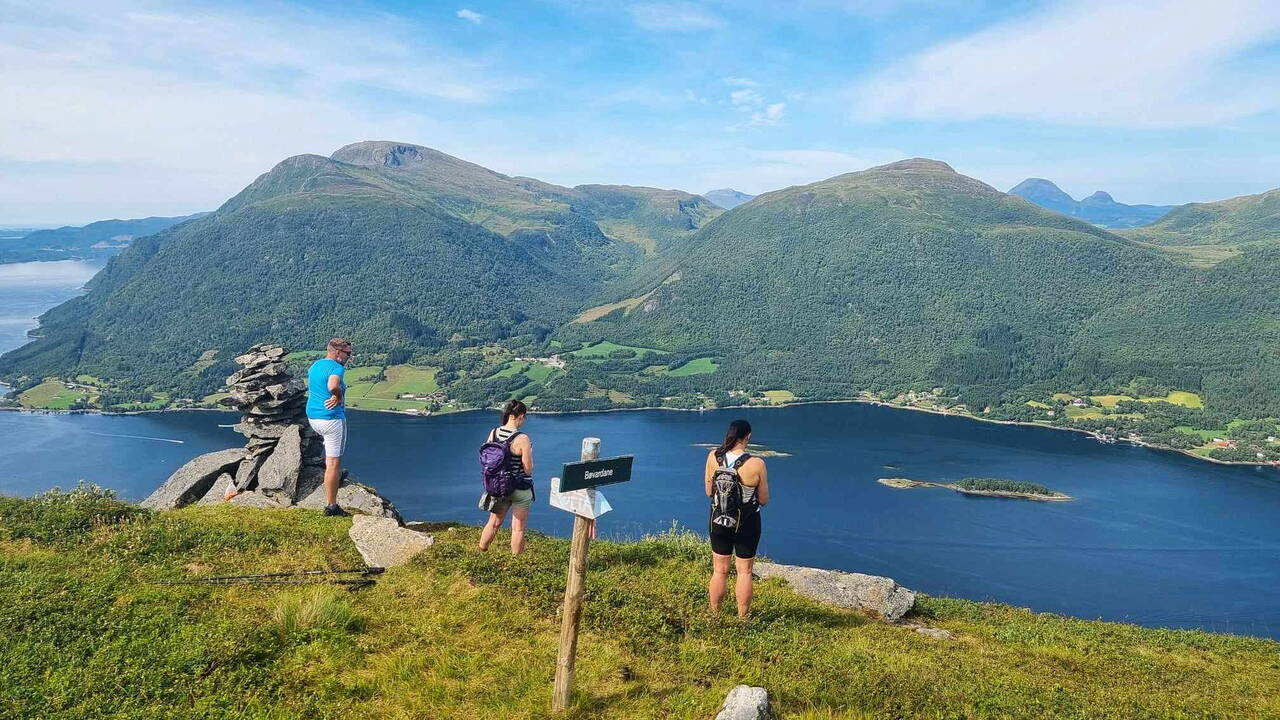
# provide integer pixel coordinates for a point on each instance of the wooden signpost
(575, 491)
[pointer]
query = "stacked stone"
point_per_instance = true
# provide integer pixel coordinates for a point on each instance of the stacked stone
(282, 462)
(273, 404)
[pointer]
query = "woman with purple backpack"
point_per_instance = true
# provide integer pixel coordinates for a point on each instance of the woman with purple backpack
(506, 459)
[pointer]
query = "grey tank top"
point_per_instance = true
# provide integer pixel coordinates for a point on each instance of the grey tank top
(748, 492)
(516, 467)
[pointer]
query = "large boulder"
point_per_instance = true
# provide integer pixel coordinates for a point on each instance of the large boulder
(218, 492)
(382, 542)
(746, 703)
(353, 497)
(880, 596)
(278, 476)
(193, 480)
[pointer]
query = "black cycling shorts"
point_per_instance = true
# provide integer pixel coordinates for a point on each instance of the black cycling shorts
(741, 542)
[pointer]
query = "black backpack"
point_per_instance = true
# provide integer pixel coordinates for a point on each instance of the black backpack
(726, 493)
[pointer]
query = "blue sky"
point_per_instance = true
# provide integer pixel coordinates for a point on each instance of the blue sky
(126, 109)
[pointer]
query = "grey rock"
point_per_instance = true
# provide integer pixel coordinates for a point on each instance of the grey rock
(262, 430)
(256, 499)
(248, 471)
(382, 542)
(354, 497)
(870, 593)
(218, 491)
(936, 633)
(193, 480)
(746, 703)
(278, 476)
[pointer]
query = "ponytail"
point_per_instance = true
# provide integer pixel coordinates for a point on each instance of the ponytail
(737, 432)
(514, 408)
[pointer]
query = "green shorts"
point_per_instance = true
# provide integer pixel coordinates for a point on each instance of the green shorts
(518, 499)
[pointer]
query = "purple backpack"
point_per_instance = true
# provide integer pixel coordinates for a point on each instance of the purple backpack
(496, 467)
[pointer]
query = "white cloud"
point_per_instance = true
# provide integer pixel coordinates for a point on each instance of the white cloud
(471, 16)
(760, 112)
(740, 82)
(746, 98)
(181, 106)
(1139, 64)
(675, 17)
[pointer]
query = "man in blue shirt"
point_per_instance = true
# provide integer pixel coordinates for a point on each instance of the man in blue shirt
(327, 414)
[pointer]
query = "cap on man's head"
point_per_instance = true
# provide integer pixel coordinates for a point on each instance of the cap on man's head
(339, 344)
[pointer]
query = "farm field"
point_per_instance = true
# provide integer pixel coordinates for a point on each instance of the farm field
(700, 366)
(778, 397)
(52, 395)
(602, 349)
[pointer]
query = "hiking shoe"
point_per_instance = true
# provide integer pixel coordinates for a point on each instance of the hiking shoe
(334, 511)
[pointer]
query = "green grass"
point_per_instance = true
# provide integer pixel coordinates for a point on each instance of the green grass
(364, 394)
(779, 396)
(1109, 401)
(1178, 397)
(700, 366)
(602, 350)
(512, 369)
(537, 372)
(51, 395)
(1084, 413)
(460, 634)
(1038, 404)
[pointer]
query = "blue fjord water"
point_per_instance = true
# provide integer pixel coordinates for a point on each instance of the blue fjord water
(1153, 537)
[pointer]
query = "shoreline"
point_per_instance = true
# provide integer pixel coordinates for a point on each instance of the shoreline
(769, 406)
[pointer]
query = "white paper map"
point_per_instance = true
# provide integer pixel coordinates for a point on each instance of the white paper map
(588, 503)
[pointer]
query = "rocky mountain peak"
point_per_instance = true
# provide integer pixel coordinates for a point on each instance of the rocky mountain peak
(917, 165)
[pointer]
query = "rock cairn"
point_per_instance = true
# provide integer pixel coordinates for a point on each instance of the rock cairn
(273, 404)
(282, 462)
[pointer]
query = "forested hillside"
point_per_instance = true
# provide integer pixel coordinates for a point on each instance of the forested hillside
(1235, 221)
(903, 275)
(462, 287)
(399, 247)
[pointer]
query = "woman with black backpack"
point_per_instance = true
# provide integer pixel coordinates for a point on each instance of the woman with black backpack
(738, 485)
(506, 459)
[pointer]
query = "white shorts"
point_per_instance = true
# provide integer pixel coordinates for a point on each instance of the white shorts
(334, 433)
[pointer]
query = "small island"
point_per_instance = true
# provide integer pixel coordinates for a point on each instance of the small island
(757, 450)
(990, 487)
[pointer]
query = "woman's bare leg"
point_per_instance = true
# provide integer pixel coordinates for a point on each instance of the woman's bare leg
(518, 518)
(743, 589)
(491, 529)
(719, 578)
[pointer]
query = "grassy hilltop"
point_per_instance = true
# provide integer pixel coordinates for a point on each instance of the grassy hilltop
(458, 634)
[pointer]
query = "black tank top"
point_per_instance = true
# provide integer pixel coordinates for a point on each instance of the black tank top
(516, 466)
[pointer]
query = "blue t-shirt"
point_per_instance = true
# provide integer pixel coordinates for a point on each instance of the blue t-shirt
(318, 389)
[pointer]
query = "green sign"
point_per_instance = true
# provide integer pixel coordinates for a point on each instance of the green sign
(594, 473)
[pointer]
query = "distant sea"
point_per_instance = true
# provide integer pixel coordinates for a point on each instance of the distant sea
(28, 289)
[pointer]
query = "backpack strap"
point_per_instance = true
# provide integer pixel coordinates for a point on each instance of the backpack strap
(510, 439)
(742, 459)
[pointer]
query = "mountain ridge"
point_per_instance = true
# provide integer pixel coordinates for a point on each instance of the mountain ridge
(1098, 208)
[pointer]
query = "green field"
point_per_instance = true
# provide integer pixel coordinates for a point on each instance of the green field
(1109, 401)
(700, 366)
(1178, 397)
(52, 395)
(602, 349)
(511, 370)
(456, 633)
(363, 394)
(1038, 404)
(777, 397)
(537, 372)
(1084, 413)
